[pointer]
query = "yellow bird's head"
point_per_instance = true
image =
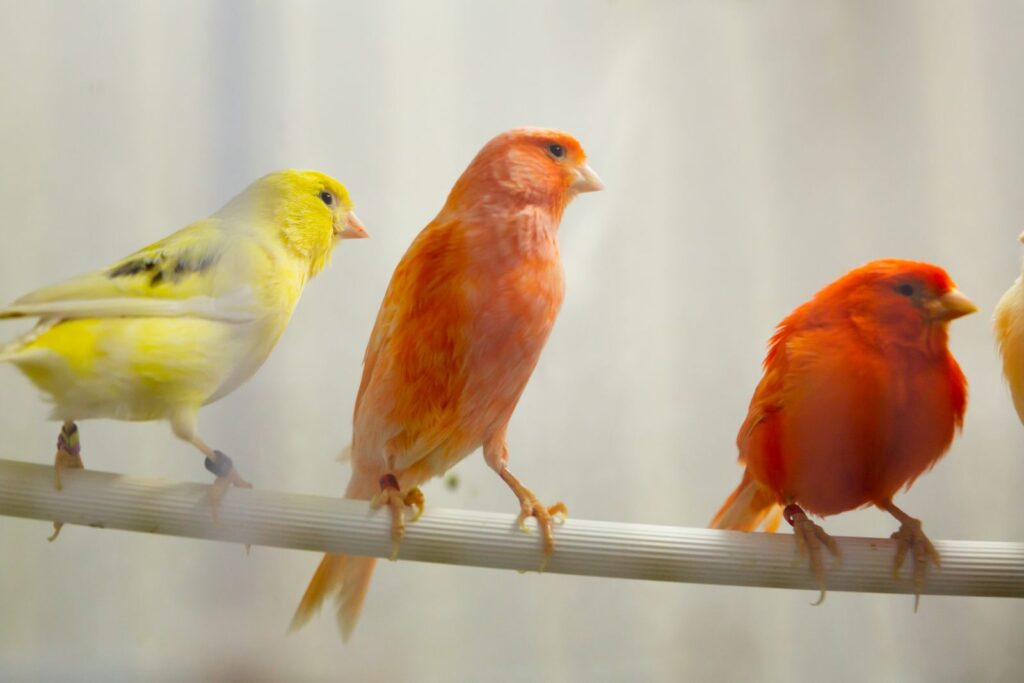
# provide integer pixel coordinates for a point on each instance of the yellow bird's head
(311, 210)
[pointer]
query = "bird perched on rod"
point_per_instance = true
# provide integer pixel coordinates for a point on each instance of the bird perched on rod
(1009, 328)
(860, 396)
(184, 321)
(461, 327)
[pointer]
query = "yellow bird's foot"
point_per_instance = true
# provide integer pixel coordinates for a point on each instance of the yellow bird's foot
(809, 539)
(529, 506)
(227, 476)
(391, 496)
(911, 539)
(69, 456)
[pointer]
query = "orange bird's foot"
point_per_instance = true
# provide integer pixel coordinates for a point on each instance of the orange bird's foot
(529, 506)
(911, 538)
(809, 539)
(391, 496)
(69, 457)
(221, 466)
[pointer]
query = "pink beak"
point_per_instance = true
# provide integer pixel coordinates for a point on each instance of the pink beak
(353, 227)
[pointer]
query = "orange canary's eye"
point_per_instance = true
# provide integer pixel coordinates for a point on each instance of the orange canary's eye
(556, 150)
(906, 289)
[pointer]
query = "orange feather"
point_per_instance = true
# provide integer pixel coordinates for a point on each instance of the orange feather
(461, 327)
(860, 395)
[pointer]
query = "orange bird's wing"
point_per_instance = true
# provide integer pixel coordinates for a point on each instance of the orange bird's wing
(413, 371)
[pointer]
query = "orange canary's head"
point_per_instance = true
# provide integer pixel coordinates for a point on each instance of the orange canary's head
(526, 166)
(899, 302)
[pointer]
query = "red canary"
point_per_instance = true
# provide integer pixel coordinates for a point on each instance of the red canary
(860, 395)
(461, 327)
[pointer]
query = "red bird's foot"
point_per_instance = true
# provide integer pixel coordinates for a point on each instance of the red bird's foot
(227, 476)
(68, 457)
(809, 539)
(531, 507)
(392, 496)
(911, 538)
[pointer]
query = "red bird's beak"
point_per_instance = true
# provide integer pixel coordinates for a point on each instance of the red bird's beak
(951, 305)
(586, 180)
(353, 228)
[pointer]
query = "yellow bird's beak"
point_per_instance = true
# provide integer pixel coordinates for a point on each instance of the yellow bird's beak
(951, 305)
(353, 227)
(586, 180)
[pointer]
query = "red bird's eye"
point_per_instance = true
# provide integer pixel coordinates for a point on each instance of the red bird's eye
(906, 290)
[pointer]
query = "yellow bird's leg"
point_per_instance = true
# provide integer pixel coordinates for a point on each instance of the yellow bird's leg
(221, 466)
(910, 537)
(391, 495)
(531, 507)
(809, 539)
(69, 456)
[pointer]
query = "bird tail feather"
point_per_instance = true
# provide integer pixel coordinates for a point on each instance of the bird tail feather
(749, 506)
(346, 576)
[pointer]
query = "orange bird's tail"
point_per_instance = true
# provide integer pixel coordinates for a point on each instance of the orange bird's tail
(749, 506)
(346, 576)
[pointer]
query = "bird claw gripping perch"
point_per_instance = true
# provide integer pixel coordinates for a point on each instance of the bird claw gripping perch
(530, 506)
(809, 539)
(391, 495)
(910, 538)
(223, 468)
(69, 456)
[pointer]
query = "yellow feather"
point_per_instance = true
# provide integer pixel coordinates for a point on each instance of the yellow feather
(187, 319)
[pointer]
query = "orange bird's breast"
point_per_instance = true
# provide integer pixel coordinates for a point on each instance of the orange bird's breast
(837, 423)
(460, 330)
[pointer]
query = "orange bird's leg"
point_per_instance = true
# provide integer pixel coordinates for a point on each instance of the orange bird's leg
(392, 496)
(531, 507)
(809, 539)
(496, 456)
(69, 456)
(910, 537)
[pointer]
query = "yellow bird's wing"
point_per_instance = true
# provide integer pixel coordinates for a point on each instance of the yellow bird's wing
(188, 273)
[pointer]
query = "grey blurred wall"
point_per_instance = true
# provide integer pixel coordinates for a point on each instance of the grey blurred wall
(752, 153)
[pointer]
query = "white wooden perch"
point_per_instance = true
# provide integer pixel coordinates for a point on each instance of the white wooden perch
(480, 539)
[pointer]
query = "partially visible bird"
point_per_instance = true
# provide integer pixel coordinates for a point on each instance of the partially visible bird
(860, 396)
(1009, 328)
(184, 321)
(461, 327)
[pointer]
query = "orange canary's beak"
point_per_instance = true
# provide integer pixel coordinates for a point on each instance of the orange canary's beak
(586, 180)
(951, 305)
(353, 227)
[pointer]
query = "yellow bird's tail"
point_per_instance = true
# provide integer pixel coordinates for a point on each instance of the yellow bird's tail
(346, 576)
(747, 508)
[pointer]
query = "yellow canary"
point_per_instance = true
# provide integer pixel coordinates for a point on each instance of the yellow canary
(186, 320)
(1009, 328)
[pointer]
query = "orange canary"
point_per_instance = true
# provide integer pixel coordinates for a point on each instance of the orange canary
(860, 395)
(461, 328)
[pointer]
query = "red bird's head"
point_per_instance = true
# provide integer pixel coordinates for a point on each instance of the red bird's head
(895, 302)
(525, 167)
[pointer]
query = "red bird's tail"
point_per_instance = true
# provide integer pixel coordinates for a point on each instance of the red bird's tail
(346, 576)
(749, 506)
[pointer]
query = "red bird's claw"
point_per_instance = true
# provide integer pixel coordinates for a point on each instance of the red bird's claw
(809, 539)
(910, 538)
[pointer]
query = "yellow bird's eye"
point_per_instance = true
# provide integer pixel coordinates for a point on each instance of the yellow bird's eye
(326, 197)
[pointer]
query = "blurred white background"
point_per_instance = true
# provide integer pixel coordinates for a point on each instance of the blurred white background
(752, 153)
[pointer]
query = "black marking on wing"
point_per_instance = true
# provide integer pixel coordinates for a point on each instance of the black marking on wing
(160, 269)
